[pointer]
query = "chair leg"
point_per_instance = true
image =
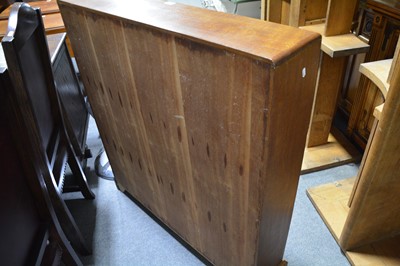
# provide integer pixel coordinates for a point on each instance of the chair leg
(236, 8)
(70, 227)
(69, 256)
(79, 175)
(65, 218)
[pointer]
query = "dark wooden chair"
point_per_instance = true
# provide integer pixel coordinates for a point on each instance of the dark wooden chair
(30, 230)
(41, 113)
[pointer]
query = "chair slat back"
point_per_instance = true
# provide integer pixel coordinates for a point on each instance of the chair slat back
(27, 56)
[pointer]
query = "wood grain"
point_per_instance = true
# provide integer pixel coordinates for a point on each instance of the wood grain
(339, 17)
(330, 80)
(330, 202)
(273, 10)
(197, 117)
(375, 209)
(304, 12)
(378, 73)
(337, 151)
(339, 45)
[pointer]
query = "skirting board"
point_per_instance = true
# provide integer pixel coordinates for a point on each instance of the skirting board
(330, 200)
(337, 151)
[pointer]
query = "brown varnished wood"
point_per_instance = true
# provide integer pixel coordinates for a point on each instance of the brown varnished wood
(330, 80)
(339, 16)
(245, 36)
(273, 230)
(273, 10)
(197, 117)
(304, 12)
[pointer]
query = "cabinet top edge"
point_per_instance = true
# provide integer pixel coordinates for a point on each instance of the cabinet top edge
(264, 41)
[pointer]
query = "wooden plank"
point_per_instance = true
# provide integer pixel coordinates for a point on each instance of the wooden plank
(338, 46)
(46, 7)
(396, 63)
(285, 12)
(264, 10)
(197, 121)
(278, 11)
(330, 200)
(273, 10)
(340, 17)
(316, 10)
(337, 151)
(302, 12)
(297, 13)
(328, 87)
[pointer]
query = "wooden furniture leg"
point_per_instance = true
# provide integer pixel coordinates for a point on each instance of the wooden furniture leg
(329, 84)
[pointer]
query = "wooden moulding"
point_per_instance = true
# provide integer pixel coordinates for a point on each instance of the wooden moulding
(203, 115)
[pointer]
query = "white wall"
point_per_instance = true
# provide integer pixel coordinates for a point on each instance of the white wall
(250, 9)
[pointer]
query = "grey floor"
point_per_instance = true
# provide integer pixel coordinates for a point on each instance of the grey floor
(120, 233)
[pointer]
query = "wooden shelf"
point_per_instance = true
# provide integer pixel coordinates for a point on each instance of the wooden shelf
(337, 151)
(331, 200)
(339, 45)
(378, 73)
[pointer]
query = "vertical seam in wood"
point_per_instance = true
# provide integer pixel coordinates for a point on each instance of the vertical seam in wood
(247, 157)
(144, 148)
(185, 144)
(315, 97)
(95, 59)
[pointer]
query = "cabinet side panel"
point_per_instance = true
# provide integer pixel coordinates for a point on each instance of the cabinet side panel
(291, 97)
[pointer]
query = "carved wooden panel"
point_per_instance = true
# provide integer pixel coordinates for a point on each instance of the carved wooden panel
(381, 27)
